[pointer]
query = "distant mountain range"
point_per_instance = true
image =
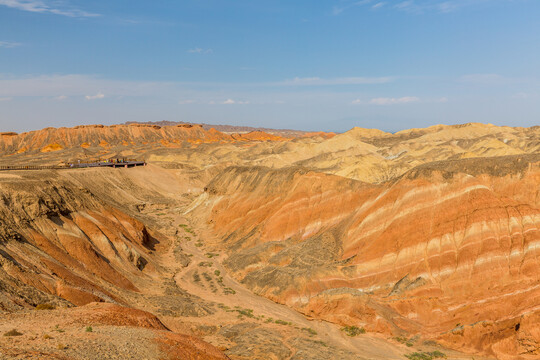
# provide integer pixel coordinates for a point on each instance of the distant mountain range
(226, 128)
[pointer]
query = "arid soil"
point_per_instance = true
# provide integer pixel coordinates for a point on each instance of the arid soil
(419, 244)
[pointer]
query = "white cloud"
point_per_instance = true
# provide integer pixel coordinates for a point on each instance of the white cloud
(95, 97)
(524, 96)
(9, 44)
(78, 85)
(448, 6)
(401, 100)
(187, 101)
(336, 81)
(394, 101)
(200, 51)
(339, 9)
(40, 6)
(411, 6)
(60, 98)
(6, 98)
(75, 85)
(490, 79)
(231, 102)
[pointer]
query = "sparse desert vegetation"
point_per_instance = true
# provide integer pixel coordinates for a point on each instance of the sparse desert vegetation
(13, 332)
(430, 355)
(45, 307)
(353, 330)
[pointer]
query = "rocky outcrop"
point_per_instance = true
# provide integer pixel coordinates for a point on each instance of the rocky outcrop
(62, 244)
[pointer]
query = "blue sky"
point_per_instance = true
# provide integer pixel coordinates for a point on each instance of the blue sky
(314, 65)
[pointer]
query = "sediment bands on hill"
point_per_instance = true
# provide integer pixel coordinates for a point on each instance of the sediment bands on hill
(69, 245)
(437, 251)
(54, 139)
(426, 233)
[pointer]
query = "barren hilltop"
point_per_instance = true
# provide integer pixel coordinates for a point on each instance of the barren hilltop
(420, 244)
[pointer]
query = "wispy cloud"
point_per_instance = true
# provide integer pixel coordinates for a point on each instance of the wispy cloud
(411, 6)
(75, 85)
(442, 100)
(9, 44)
(95, 97)
(524, 95)
(336, 10)
(200, 51)
(40, 6)
(317, 81)
(232, 102)
(388, 100)
(490, 79)
(60, 98)
(6, 99)
(393, 101)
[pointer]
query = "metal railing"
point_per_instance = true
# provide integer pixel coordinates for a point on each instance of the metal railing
(114, 164)
(32, 167)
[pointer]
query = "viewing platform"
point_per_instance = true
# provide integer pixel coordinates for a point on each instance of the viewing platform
(113, 164)
(108, 163)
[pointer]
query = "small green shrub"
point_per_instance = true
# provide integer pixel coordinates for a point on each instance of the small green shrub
(57, 328)
(206, 263)
(211, 255)
(246, 312)
(310, 331)
(45, 307)
(217, 272)
(282, 322)
(425, 355)
(187, 229)
(353, 330)
(228, 291)
(89, 329)
(405, 341)
(13, 332)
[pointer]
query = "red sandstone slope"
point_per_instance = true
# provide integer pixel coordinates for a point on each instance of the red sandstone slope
(449, 251)
(68, 246)
(98, 331)
(61, 246)
(53, 139)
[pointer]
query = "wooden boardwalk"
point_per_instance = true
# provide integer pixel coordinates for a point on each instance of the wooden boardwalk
(126, 164)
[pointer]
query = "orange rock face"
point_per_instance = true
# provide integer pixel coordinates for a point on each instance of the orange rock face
(438, 253)
(54, 139)
(77, 247)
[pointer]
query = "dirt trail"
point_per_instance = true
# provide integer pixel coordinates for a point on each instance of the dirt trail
(199, 278)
